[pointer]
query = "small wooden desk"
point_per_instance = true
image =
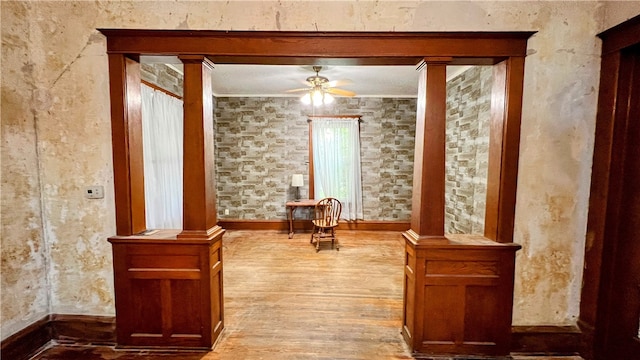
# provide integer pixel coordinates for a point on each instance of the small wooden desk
(292, 205)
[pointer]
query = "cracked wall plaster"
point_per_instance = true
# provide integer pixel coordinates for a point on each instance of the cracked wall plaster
(56, 130)
(23, 277)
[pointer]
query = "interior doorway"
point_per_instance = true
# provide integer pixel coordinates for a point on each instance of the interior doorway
(181, 283)
(610, 306)
(620, 330)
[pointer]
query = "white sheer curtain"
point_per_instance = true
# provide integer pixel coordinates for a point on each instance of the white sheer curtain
(336, 162)
(162, 130)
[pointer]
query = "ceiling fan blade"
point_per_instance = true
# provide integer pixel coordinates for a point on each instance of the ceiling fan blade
(296, 90)
(340, 92)
(336, 83)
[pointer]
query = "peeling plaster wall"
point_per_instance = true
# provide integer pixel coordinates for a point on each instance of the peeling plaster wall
(616, 12)
(23, 276)
(63, 98)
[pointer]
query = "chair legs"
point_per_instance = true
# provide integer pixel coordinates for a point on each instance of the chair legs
(320, 233)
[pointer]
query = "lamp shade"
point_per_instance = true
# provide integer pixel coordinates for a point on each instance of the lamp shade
(296, 180)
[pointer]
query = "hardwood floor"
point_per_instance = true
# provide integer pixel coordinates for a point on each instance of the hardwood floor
(285, 301)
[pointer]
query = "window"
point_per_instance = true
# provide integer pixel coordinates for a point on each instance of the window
(336, 162)
(162, 139)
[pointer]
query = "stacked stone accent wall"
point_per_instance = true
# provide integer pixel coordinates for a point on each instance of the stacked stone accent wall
(468, 115)
(162, 76)
(261, 141)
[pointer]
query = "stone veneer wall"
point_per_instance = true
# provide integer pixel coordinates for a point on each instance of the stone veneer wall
(468, 115)
(261, 141)
(162, 76)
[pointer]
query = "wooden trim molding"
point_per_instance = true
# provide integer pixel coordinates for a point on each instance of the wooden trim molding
(427, 207)
(305, 225)
(438, 49)
(546, 340)
(199, 191)
(621, 36)
(97, 330)
(28, 341)
(80, 329)
(162, 90)
(321, 48)
(504, 145)
(126, 137)
(600, 319)
(100, 330)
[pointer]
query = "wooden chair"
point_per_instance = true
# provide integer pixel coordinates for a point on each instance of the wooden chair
(325, 220)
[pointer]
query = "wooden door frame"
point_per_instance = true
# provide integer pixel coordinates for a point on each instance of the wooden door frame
(432, 51)
(606, 186)
(504, 49)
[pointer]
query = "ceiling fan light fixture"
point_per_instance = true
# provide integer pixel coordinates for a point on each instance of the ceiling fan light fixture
(328, 98)
(320, 89)
(317, 97)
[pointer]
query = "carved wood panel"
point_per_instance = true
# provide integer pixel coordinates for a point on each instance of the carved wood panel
(168, 293)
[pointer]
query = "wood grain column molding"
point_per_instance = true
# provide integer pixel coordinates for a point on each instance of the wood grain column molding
(504, 149)
(199, 194)
(126, 137)
(427, 215)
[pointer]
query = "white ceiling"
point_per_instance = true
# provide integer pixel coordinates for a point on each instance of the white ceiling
(274, 80)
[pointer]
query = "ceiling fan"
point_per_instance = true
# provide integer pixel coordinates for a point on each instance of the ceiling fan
(319, 89)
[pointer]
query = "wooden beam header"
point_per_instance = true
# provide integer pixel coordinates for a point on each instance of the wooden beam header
(353, 48)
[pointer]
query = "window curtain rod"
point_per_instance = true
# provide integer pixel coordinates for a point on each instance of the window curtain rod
(156, 87)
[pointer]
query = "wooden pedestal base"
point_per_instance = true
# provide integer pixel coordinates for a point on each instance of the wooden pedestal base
(168, 291)
(458, 296)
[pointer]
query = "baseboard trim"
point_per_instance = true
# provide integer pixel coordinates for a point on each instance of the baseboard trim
(84, 329)
(26, 342)
(77, 329)
(101, 330)
(546, 340)
(242, 224)
(305, 225)
(587, 350)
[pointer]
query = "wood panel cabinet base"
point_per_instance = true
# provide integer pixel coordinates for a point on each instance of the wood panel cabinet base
(458, 296)
(168, 291)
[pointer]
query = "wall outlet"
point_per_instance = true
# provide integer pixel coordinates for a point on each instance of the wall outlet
(94, 192)
(226, 211)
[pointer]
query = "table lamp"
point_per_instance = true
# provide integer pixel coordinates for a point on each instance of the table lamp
(296, 180)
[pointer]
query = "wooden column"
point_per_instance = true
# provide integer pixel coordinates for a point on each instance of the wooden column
(199, 218)
(504, 149)
(199, 192)
(168, 285)
(126, 138)
(427, 207)
(458, 289)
